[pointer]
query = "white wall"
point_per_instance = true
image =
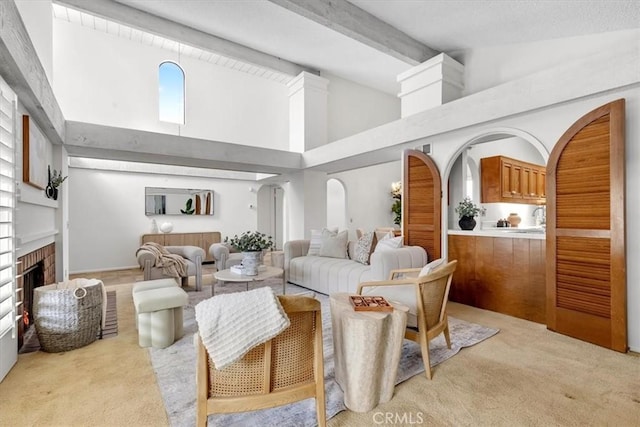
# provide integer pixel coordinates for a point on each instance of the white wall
(490, 66)
(353, 108)
(36, 216)
(105, 79)
(106, 214)
(368, 193)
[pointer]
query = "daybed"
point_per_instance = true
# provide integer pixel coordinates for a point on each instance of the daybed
(328, 275)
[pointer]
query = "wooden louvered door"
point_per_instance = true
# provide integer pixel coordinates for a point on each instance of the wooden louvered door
(586, 274)
(421, 200)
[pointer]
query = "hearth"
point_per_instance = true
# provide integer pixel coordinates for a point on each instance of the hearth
(35, 269)
(32, 278)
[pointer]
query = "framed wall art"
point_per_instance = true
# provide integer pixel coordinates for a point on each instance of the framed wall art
(35, 155)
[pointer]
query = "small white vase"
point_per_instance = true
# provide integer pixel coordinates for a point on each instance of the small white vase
(154, 226)
(250, 262)
(166, 227)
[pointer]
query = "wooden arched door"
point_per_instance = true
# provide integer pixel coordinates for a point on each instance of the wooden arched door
(422, 203)
(586, 270)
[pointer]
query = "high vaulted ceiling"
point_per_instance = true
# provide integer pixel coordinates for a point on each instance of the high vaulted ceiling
(368, 41)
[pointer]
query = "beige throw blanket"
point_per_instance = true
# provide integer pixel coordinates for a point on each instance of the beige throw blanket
(172, 265)
(232, 324)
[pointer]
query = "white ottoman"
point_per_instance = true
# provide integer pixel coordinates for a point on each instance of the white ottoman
(159, 313)
(146, 285)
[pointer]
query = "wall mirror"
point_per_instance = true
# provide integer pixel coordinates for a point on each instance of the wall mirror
(177, 201)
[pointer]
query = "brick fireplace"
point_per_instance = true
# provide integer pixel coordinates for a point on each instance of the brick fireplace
(35, 269)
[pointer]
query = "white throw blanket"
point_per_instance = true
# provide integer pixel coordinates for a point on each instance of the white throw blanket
(232, 324)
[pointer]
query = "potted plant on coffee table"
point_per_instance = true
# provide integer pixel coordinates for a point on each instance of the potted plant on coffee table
(467, 211)
(251, 244)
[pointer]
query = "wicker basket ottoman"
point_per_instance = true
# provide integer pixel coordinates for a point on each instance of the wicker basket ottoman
(68, 315)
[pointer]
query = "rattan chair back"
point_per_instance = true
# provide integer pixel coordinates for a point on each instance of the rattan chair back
(432, 294)
(285, 369)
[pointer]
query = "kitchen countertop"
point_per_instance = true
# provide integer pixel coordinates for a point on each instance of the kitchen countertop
(512, 233)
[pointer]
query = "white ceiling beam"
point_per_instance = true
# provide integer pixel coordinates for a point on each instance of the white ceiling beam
(113, 143)
(360, 25)
(22, 70)
(154, 24)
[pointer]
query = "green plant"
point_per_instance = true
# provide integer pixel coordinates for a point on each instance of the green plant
(188, 208)
(250, 241)
(396, 207)
(56, 179)
(467, 208)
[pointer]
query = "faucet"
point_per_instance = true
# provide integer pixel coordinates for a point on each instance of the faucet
(540, 219)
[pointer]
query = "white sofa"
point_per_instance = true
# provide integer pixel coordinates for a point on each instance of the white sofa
(330, 275)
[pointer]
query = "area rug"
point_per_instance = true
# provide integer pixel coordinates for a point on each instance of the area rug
(175, 368)
(30, 341)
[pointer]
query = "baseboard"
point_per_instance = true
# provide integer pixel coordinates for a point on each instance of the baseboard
(105, 269)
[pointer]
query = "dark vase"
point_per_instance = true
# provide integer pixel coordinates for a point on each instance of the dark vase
(467, 223)
(51, 192)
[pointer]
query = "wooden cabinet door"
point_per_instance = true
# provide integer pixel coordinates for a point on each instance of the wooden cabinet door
(516, 181)
(542, 184)
(586, 266)
(533, 192)
(193, 239)
(421, 203)
(507, 179)
(157, 238)
(525, 183)
(174, 239)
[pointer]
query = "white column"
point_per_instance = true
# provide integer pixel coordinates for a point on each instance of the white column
(306, 203)
(430, 84)
(307, 112)
(61, 163)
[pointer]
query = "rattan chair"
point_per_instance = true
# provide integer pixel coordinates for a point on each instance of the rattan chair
(428, 303)
(285, 369)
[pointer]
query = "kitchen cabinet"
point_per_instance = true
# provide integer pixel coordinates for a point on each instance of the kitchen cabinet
(504, 179)
(501, 274)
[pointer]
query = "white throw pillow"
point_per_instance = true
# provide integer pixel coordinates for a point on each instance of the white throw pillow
(381, 235)
(364, 247)
(389, 243)
(334, 246)
(433, 265)
(316, 240)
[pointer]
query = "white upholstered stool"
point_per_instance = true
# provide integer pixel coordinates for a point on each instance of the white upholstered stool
(146, 285)
(159, 313)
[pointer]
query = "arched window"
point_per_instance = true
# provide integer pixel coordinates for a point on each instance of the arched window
(171, 95)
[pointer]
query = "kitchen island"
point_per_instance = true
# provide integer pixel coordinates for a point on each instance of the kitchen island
(500, 270)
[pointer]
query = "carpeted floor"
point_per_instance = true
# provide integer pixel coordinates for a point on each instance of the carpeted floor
(523, 376)
(175, 368)
(31, 343)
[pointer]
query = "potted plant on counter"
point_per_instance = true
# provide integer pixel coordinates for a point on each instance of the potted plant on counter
(251, 244)
(467, 211)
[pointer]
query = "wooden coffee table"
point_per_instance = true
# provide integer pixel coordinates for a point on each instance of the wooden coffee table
(263, 273)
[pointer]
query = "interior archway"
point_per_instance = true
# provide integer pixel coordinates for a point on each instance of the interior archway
(464, 165)
(336, 204)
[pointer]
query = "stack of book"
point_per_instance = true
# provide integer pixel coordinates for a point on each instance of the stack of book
(237, 269)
